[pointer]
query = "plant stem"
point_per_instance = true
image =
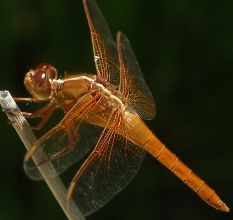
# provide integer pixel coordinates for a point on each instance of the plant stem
(28, 138)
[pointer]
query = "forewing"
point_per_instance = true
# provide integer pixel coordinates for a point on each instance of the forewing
(104, 46)
(139, 96)
(108, 169)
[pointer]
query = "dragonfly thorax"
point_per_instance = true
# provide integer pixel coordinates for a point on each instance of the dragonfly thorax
(107, 91)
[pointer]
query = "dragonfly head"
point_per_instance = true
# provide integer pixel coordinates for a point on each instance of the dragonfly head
(38, 81)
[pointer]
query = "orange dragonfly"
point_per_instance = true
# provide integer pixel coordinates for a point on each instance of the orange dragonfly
(102, 121)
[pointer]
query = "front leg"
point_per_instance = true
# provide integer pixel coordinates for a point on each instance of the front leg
(44, 113)
(23, 99)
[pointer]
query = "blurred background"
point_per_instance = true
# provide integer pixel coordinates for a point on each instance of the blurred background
(185, 49)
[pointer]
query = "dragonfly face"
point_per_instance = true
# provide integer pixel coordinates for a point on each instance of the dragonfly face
(38, 81)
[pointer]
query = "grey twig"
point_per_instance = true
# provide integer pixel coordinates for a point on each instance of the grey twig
(28, 138)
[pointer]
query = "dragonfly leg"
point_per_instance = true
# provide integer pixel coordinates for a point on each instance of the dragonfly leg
(43, 113)
(23, 99)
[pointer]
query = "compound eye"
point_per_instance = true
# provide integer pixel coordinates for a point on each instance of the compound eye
(47, 69)
(39, 77)
(52, 71)
(38, 81)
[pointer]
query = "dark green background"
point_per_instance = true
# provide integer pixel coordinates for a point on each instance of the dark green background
(185, 49)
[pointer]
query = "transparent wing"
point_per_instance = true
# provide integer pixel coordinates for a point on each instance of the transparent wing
(108, 169)
(132, 83)
(104, 46)
(67, 142)
(86, 138)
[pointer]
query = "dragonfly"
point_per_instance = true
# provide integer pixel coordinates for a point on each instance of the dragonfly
(103, 123)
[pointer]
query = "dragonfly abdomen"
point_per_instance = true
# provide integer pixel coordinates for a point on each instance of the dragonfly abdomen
(143, 137)
(176, 166)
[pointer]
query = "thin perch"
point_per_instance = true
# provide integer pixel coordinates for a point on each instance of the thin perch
(28, 138)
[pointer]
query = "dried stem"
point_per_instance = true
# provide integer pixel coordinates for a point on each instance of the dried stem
(28, 138)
